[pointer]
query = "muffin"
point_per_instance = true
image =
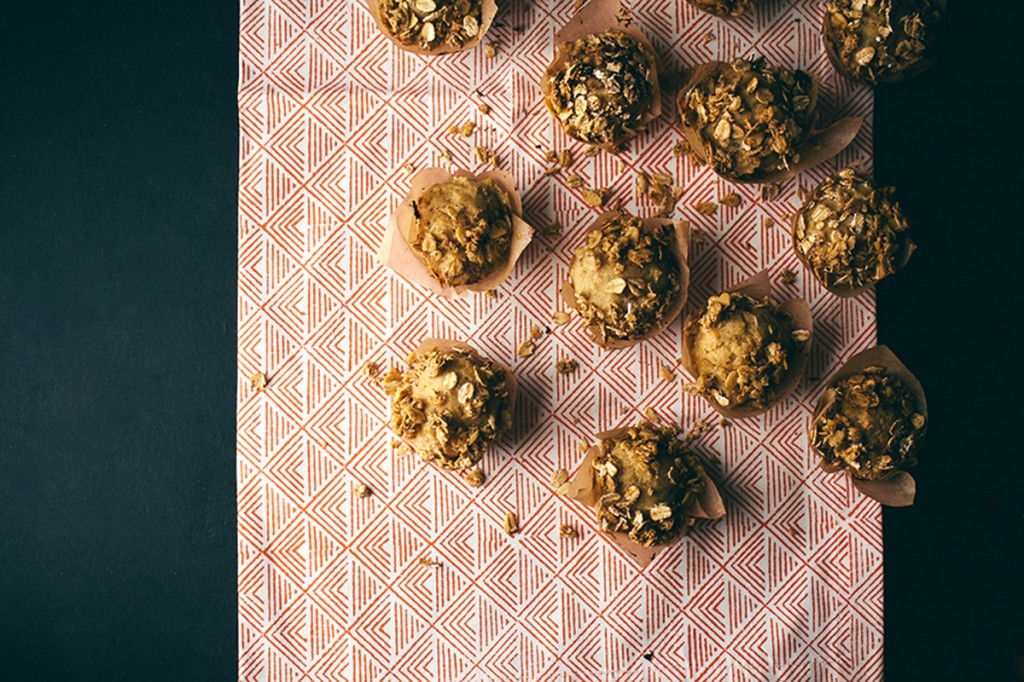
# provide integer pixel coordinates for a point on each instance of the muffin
(851, 234)
(871, 425)
(603, 87)
(451, 403)
(434, 26)
(463, 229)
(628, 279)
(647, 484)
(723, 8)
(456, 232)
(750, 119)
(746, 351)
(881, 41)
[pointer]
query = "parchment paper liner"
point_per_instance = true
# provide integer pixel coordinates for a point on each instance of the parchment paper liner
(429, 344)
(898, 488)
(907, 248)
(799, 314)
(396, 253)
(488, 8)
(597, 17)
(682, 253)
(583, 488)
(818, 145)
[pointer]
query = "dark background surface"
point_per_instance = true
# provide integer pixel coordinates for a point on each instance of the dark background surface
(117, 320)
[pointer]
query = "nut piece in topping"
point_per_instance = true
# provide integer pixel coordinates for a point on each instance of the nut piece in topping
(871, 425)
(851, 234)
(645, 480)
(750, 118)
(463, 229)
(566, 531)
(881, 41)
(600, 87)
(626, 277)
(450, 405)
(741, 348)
(723, 8)
(433, 25)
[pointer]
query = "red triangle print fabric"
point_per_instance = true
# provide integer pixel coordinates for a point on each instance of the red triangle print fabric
(418, 581)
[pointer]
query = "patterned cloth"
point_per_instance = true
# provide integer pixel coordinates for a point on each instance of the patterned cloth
(787, 586)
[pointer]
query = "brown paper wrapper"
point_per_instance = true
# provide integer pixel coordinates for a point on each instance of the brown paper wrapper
(799, 313)
(818, 146)
(583, 488)
(488, 9)
(907, 249)
(681, 230)
(396, 253)
(897, 489)
(597, 17)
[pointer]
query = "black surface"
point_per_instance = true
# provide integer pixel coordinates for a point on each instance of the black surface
(117, 316)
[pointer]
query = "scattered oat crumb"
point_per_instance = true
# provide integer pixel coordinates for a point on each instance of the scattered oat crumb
(404, 449)
(583, 446)
(596, 197)
(666, 374)
(453, 130)
(771, 192)
(750, 245)
(708, 37)
(574, 181)
(788, 276)
(565, 158)
(697, 235)
(681, 148)
(768, 222)
(491, 50)
(566, 531)
(553, 229)
(566, 366)
(467, 128)
(652, 415)
(559, 477)
(535, 332)
(446, 155)
(258, 381)
(486, 155)
(642, 184)
(407, 168)
(551, 156)
(361, 490)
(723, 422)
(591, 152)
(559, 317)
(370, 369)
(484, 108)
(491, 294)
(624, 409)
(731, 199)
(424, 561)
(552, 171)
(511, 525)
(475, 478)
(648, 656)
(526, 348)
(697, 430)
(792, 530)
(395, 443)
(706, 207)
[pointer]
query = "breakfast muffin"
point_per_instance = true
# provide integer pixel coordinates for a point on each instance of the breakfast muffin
(881, 41)
(850, 233)
(602, 88)
(750, 119)
(745, 351)
(451, 403)
(463, 229)
(628, 279)
(434, 26)
(646, 484)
